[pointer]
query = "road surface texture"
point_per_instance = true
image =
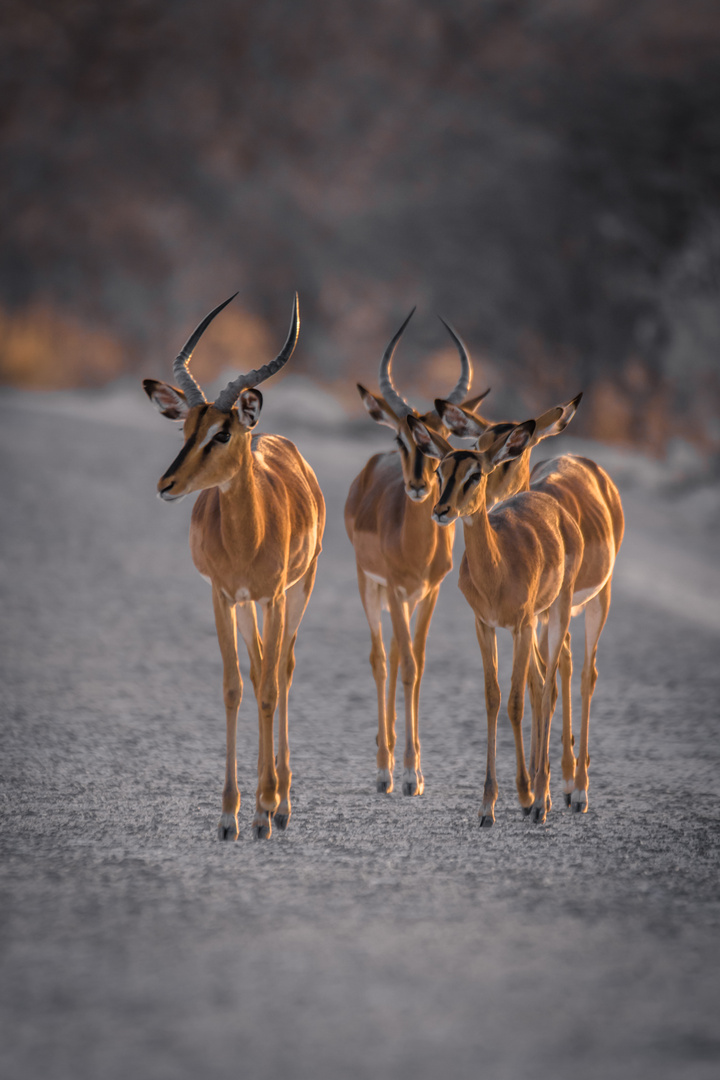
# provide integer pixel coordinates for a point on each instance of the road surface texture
(380, 936)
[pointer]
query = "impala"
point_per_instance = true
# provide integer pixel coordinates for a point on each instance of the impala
(521, 559)
(589, 495)
(255, 535)
(402, 557)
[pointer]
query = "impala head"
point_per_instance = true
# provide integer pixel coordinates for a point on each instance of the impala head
(464, 474)
(215, 432)
(392, 409)
(515, 476)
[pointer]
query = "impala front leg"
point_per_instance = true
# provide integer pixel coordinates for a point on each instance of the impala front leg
(412, 778)
(297, 601)
(370, 596)
(488, 647)
(422, 627)
(390, 712)
(232, 694)
(266, 796)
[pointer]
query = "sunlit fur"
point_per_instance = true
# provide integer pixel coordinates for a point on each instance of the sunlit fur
(255, 533)
(521, 559)
(402, 557)
(592, 499)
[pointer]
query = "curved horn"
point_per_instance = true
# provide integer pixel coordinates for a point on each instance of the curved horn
(227, 397)
(398, 405)
(463, 384)
(191, 389)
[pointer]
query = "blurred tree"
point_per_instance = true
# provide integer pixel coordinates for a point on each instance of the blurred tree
(546, 174)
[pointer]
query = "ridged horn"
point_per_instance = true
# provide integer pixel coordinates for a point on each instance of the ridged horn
(463, 384)
(227, 397)
(398, 405)
(191, 389)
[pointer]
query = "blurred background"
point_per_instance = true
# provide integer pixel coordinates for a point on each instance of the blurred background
(545, 174)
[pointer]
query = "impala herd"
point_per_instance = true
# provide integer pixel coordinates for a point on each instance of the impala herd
(540, 547)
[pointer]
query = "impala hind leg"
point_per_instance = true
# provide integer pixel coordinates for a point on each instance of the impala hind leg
(596, 612)
(232, 694)
(371, 596)
(297, 600)
(413, 783)
(266, 797)
(558, 621)
(523, 644)
(568, 740)
(488, 647)
(536, 680)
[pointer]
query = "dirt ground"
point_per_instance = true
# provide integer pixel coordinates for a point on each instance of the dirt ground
(380, 936)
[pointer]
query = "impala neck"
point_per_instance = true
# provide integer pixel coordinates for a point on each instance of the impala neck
(241, 518)
(419, 531)
(514, 480)
(481, 544)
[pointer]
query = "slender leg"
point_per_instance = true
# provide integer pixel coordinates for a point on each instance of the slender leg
(425, 610)
(247, 625)
(596, 612)
(522, 646)
(400, 616)
(488, 648)
(370, 596)
(267, 798)
(232, 694)
(390, 713)
(297, 601)
(536, 679)
(558, 622)
(568, 756)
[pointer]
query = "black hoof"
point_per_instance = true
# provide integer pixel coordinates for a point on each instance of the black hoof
(486, 822)
(526, 810)
(262, 830)
(568, 798)
(383, 787)
(281, 820)
(226, 833)
(579, 807)
(538, 815)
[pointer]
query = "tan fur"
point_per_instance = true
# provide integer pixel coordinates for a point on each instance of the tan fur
(396, 540)
(256, 532)
(592, 499)
(521, 560)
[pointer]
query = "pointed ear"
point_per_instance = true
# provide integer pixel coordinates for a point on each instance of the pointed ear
(555, 420)
(249, 406)
(167, 399)
(461, 421)
(378, 408)
(431, 444)
(512, 443)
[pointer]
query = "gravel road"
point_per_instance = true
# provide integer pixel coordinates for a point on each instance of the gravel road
(380, 936)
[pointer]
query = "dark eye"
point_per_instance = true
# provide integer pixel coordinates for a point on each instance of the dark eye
(222, 436)
(400, 443)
